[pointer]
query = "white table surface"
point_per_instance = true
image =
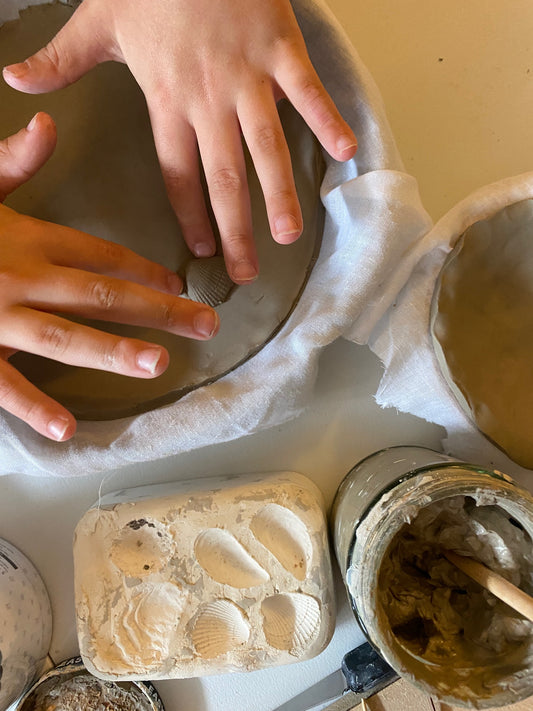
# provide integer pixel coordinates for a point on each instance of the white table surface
(457, 80)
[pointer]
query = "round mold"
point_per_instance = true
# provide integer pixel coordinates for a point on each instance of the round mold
(96, 183)
(482, 327)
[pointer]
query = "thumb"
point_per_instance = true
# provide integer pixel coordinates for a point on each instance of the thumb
(81, 43)
(22, 154)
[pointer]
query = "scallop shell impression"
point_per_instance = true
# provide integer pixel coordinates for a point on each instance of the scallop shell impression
(286, 536)
(207, 281)
(142, 547)
(291, 621)
(223, 558)
(219, 628)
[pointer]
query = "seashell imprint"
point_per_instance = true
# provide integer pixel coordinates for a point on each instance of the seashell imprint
(219, 628)
(157, 607)
(150, 620)
(290, 621)
(142, 547)
(223, 558)
(285, 535)
(207, 281)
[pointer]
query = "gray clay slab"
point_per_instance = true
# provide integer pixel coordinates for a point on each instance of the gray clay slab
(104, 179)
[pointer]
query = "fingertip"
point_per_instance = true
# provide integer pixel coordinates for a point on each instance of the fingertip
(206, 323)
(204, 249)
(32, 124)
(174, 283)
(346, 147)
(22, 154)
(13, 72)
(41, 133)
(152, 361)
(287, 239)
(24, 77)
(287, 229)
(43, 123)
(61, 428)
(243, 272)
(66, 58)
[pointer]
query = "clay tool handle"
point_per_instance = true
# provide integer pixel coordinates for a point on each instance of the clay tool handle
(494, 583)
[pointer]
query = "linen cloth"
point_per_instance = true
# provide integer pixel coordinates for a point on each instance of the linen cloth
(371, 284)
(412, 381)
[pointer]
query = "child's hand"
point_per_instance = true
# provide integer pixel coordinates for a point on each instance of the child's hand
(210, 70)
(46, 269)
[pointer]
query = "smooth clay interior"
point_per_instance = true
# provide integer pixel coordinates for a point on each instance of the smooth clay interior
(482, 327)
(104, 179)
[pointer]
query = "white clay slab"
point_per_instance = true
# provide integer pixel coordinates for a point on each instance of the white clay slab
(202, 577)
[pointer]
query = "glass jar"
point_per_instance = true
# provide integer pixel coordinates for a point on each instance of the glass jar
(393, 516)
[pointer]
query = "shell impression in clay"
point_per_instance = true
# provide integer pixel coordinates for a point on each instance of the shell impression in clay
(223, 558)
(147, 628)
(207, 281)
(290, 620)
(286, 537)
(142, 547)
(219, 628)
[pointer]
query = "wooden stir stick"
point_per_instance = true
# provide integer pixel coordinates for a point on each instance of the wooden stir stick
(494, 583)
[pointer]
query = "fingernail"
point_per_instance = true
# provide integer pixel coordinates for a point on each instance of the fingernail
(244, 271)
(203, 249)
(286, 226)
(175, 283)
(206, 323)
(16, 70)
(57, 428)
(148, 359)
(346, 144)
(32, 123)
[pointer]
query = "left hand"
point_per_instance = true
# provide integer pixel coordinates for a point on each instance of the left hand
(209, 69)
(48, 271)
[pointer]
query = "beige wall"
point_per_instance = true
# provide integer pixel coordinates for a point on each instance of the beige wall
(457, 80)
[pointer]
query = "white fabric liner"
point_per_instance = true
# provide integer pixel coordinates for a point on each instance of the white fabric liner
(376, 233)
(413, 381)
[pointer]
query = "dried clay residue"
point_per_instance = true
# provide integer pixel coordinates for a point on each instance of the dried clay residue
(83, 692)
(435, 611)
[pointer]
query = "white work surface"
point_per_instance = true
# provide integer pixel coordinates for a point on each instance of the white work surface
(457, 81)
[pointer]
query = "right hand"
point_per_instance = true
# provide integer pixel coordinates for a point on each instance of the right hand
(212, 72)
(46, 269)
